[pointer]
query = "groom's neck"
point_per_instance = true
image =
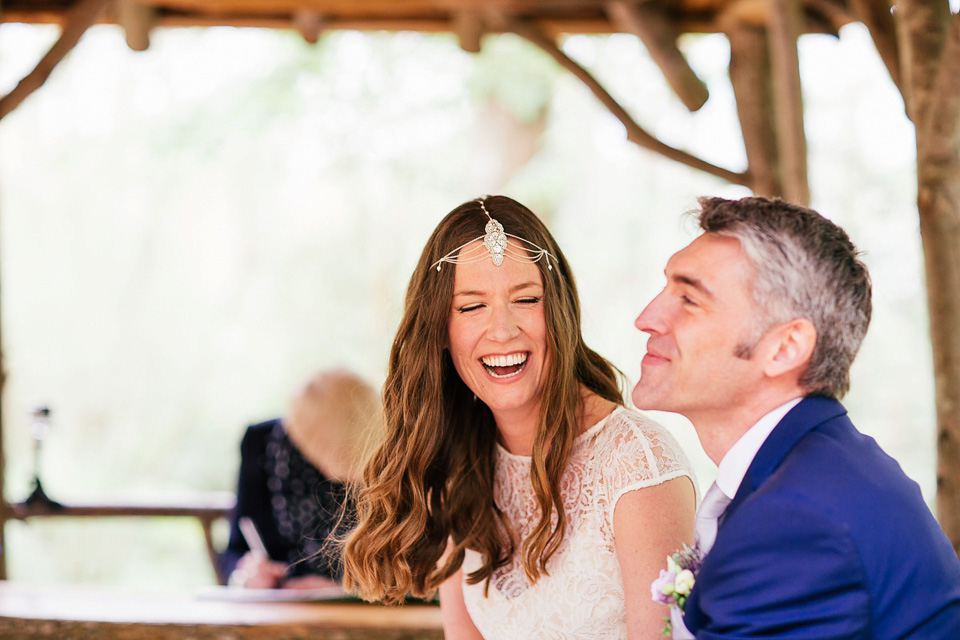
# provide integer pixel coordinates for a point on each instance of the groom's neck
(719, 430)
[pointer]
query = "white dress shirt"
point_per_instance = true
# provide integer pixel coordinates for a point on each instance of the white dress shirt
(737, 460)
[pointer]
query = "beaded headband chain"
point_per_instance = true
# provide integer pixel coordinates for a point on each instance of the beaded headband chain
(495, 247)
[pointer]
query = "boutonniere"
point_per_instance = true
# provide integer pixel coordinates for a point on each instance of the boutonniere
(675, 582)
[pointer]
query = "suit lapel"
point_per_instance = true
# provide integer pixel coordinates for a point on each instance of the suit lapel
(803, 418)
(809, 414)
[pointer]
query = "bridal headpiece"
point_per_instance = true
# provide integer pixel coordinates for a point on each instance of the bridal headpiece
(495, 247)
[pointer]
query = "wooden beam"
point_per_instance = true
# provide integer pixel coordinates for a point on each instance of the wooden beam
(78, 20)
(137, 19)
(750, 77)
(659, 35)
(309, 23)
(783, 29)
(468, 27)
(434, 23)
(635, 133)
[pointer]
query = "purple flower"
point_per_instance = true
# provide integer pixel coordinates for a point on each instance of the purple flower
(656, 587)
(675, 582)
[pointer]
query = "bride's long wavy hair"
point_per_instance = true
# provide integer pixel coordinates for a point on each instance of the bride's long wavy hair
(427, 491)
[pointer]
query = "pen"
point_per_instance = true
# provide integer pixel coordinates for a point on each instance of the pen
(252, 536)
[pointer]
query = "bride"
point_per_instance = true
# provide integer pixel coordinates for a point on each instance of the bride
(511, 477)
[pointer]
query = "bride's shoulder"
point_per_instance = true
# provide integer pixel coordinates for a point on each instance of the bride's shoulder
(630, 420)
(629, 430)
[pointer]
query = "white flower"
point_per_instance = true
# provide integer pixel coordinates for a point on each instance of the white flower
(684, 582)
(672, 566)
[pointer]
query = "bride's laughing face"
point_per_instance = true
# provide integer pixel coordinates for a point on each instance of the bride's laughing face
(497, 334)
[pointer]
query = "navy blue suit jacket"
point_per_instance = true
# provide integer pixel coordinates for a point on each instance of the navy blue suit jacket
(826, 538)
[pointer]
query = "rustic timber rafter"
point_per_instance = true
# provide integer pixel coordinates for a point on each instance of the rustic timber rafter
(555, 17)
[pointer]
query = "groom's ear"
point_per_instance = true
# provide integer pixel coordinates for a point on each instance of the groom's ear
(791, 348)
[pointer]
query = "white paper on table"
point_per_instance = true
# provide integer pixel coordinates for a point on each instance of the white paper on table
(243, 594)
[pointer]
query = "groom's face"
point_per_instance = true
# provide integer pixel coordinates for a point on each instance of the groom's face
(696, 325)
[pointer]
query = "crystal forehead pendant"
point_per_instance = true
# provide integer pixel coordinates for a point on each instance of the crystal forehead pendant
(495, 241)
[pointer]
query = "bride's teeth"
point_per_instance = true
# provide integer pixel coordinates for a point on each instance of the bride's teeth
(505, 361)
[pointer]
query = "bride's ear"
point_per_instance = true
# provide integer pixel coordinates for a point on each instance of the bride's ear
(793, 344)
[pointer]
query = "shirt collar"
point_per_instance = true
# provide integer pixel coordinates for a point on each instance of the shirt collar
(737, 460)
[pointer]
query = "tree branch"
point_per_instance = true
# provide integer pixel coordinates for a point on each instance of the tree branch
(875, 14)
(78, 20)
(659, 35)
(635, 133)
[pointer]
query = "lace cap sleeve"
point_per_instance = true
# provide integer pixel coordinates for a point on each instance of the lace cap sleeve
(636, 453)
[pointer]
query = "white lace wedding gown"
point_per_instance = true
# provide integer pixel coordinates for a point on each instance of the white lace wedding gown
(582, 597)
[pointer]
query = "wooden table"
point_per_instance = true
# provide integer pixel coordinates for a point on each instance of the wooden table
(78, 613)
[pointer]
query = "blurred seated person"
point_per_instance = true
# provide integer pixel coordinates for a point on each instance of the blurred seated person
(293, 473)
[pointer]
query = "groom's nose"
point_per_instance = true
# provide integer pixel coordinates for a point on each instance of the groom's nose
(652, 319)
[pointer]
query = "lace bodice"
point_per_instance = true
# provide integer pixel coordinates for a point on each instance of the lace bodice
(582, 597)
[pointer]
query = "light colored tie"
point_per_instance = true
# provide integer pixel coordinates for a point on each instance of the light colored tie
(705, 533)
(678, 630)
(705, 525)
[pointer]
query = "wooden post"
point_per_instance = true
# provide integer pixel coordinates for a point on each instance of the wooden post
(929, 42)
(750, 77)
(938, 202)
(4, 507)
(783, 29)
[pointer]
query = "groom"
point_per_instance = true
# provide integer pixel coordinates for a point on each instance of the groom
(821, 535)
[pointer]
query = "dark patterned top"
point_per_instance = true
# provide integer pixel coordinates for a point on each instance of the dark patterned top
(294, 506)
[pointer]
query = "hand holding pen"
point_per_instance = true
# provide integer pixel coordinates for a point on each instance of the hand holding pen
(255, 570)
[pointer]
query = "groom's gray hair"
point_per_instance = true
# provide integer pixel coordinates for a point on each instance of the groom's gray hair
(805, 267)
